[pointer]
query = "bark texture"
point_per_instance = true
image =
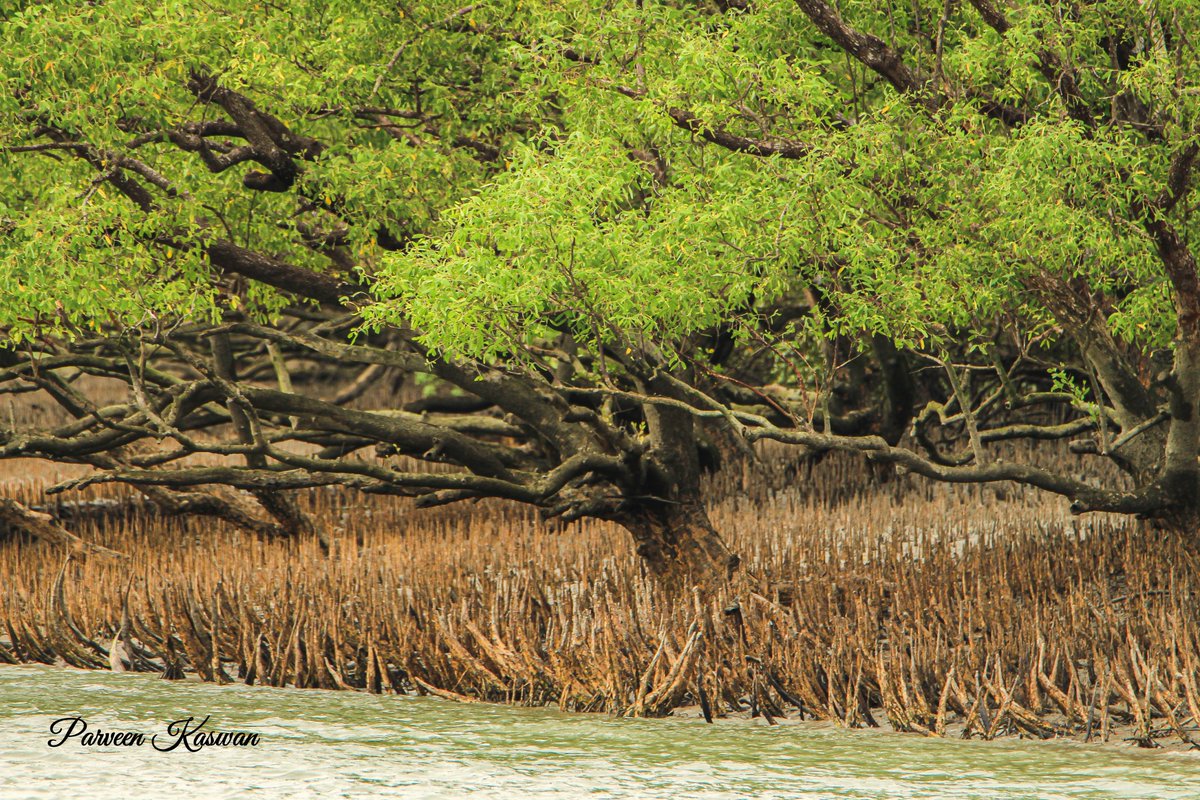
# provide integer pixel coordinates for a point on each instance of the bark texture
(680, 546)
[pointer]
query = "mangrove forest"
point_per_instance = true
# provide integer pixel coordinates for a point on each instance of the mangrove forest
(782, 359)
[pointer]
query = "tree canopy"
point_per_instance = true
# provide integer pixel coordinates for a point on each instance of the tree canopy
(603, 232)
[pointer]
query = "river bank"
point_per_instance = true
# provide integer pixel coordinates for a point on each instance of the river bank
(920, 608)
(1122, 737)
(357, 745)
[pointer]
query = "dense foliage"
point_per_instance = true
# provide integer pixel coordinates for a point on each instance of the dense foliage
(909, 229)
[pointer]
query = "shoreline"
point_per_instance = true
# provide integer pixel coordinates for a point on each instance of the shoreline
(407, 746)
(934, 603)
(1121, 736)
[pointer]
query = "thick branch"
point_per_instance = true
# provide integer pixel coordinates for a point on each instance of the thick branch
(305, 283)
(872, 51)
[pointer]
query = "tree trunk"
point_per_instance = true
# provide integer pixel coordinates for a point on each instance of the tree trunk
(669, 523)
(680, 545)
(1181, 468)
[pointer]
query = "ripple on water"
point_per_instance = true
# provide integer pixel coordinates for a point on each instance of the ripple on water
(341, 744)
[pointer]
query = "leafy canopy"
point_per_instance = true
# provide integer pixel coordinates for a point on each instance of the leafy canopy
(634, 173)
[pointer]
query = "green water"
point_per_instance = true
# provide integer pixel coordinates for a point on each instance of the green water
(343, 744)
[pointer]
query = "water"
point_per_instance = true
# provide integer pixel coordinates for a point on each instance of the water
(343, 744)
